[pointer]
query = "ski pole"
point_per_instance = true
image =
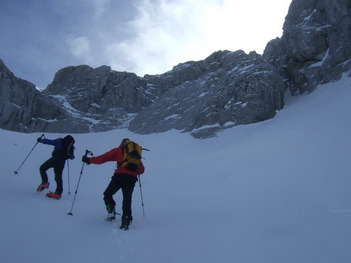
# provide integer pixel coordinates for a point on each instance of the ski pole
(16, 172)
(69, 180)
(81, 172)
(141, 191)
(141, 195)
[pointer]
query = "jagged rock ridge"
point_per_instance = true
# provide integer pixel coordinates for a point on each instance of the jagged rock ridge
(100, 98)
(225, 89)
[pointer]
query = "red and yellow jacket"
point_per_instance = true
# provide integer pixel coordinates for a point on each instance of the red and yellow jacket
(116, 155)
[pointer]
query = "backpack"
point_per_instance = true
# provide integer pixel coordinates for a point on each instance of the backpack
(67, 148)
(132, 155)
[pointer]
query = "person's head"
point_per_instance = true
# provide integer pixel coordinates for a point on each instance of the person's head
(69, 138)
(125, 141)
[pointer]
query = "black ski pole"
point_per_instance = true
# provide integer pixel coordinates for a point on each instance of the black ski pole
(141, 194)
(16, 172)
(81, 172)
(69, 180)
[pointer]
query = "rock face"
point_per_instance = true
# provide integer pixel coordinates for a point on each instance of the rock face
(22, 107)
(99, 99)
(227, 88)
(316, 45)
(203, 97)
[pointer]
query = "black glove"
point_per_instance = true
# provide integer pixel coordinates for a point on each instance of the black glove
(85, 159)
(39, 139)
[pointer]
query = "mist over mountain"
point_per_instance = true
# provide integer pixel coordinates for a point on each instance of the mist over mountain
(227, 88)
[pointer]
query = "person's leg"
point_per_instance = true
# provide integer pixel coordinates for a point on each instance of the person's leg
(127, 190)
(43, 168)
(59, 165)
(111, 189)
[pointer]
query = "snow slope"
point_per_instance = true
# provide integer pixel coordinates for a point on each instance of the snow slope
(272, 192)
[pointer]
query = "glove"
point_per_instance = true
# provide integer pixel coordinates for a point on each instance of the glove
(85, 159)
(39, 139)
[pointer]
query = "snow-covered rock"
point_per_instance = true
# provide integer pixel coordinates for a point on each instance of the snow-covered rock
(227, 88)
(316, 45)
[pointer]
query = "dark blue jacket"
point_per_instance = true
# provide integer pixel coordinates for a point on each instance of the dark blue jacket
(58, 146)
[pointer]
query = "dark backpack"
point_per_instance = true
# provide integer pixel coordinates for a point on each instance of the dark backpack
(132, 156)
(67, 148)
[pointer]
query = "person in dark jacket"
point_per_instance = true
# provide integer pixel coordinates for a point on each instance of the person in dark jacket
(64, 149)
(122, 179)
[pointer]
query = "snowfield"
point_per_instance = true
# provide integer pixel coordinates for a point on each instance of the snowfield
(271, 192)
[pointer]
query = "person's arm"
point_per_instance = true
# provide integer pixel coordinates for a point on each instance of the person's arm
(56, 142)
(109, 156)
(141, 168)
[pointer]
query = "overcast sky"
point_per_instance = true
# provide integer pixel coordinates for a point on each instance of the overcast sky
(39, 37)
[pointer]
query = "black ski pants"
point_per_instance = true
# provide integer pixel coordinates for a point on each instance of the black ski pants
(58, 164)
(126, 182)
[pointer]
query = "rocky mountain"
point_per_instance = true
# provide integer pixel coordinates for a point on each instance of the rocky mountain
(23, 108)
(316, 44)
(203, 97)
(225, 89)
(99, 99)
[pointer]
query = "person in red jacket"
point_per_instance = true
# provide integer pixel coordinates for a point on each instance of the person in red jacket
(122, 179)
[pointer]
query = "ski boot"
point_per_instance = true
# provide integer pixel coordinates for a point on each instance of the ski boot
(43, 186)
(55, 195)
(111, 216)
(126, 221)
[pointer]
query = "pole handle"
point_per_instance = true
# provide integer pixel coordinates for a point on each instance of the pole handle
(88, 152)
